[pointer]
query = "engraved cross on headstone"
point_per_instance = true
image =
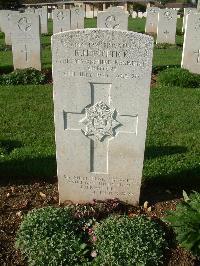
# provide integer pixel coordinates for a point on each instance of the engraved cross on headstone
(101, 123)
(166, 32)
(25, 52)
(198, 55)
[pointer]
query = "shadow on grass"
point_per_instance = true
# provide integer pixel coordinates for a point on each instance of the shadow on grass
(7, 146)
(168, 187)
(6, 69)
(157, 188)
(28, 171)
(158, 151)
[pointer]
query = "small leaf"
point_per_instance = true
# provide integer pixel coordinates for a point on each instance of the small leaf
(185, 196)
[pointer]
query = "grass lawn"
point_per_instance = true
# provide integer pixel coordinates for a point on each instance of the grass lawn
(27, 147)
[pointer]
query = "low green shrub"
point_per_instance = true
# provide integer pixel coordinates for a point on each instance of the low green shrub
(51, 236)
(185, 221)
(23, 77)
(121, 240)
(178, 77)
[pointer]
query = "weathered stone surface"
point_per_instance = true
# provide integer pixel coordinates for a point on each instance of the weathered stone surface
(152, 20)
(191, 45)
(43, 14)
(187, 11)
(101, 95)
(30, 10)
(26, 41)
(113, 18)
(5, 22)
(61, 20)
(77, 18)
(166, 30)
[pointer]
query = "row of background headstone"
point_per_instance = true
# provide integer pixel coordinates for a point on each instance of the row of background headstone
(159, 21)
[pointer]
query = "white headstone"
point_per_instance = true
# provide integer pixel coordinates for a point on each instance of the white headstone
(140, 15)
(77, 18)
(50, 16)
(29, 10)
(113, 18)
(101, 96)
(6, 24)
(43, 13)
(187, 11)
(191, 45)
(145, 14)
(166, 30)
(61, 20)
(198, 6)
(134, 14)
(152, 20)
(26, 41)
(89, 14)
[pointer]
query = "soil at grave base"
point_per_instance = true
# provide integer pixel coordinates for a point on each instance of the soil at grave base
(16, 200)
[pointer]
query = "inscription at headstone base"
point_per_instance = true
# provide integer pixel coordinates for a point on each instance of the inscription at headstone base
(101, 96)
(151, 20)
(113, 18)
(26, 41)
(61, 20)
(191, 45)
(166, 30)
(77, 18)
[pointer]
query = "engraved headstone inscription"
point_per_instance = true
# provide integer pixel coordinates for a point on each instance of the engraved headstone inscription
(166, 30)
(101, 96)
(26, 41)
(191, 45)
(43, 14)
(113, 18)
(152, 20)
(187, 11)
(77, 18)
(61, 20)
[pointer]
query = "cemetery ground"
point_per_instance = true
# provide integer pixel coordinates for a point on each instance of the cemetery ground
(27, 147)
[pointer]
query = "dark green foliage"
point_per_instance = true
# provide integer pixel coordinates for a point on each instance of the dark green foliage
(5, 48)
(185, 221)
(50, 236)
(157, 69)
(129, 241)
(178, 77)
(23, 77)
(139, 7)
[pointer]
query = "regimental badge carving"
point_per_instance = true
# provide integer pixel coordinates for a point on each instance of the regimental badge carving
(100, 121)
(60, 15)
(152, 10)
(77, 11)
(168, 15)
(24, 24)
(112, 22)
